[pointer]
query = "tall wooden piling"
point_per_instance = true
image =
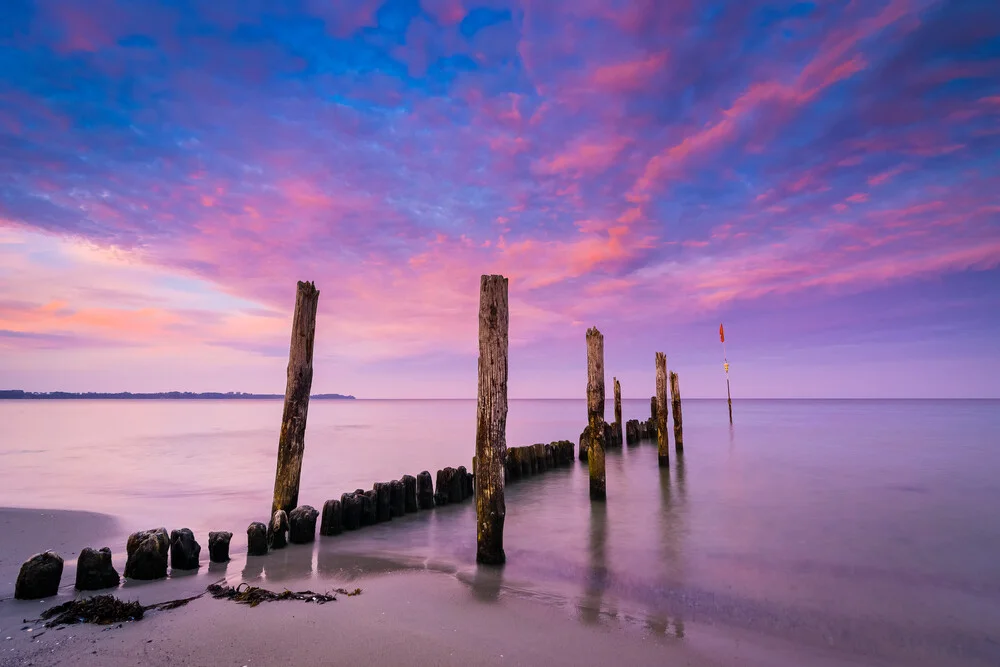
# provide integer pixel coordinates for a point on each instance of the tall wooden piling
(291, 442)
(595, 413)
(675, 410)
(491, 420)
(619, 425)
(662, 439)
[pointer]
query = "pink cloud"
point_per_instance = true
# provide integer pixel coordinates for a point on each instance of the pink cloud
(628, 76)
(584, 156)
(858, 198)
(447, 12)
(886, 176)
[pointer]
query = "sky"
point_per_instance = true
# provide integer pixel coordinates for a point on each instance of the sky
(823, 177)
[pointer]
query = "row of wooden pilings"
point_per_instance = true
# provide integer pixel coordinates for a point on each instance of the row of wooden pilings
(600, 435)
(150, 551)
(493, 465)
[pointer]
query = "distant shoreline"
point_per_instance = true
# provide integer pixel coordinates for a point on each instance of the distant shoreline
(163, 395)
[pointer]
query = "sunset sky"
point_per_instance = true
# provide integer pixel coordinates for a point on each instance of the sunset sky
(823, 177)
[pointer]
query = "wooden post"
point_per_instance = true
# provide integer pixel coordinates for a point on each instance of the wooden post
(675, 409)
(595, 413)
(619, 425)
(291, 442)
(491, 420)
(662, 439)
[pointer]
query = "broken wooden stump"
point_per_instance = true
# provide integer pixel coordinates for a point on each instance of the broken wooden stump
(410, 493)
(302, 524)
(632, 432)
(662, 439)
(462, 477)
(525, 458)
(397, 502)
(675, 409)
(218, 546)
(595, 413)
(332, 522)
(257, 539)
(513, 463)
(147, 554)
(39, 576)
(610, 436)
(277, 530)
(425, 491)
(185, 552)
(538, 453)
(652, 406)
(383, 502)
(369, 507)
(350, 505)
(454, 486)
(619, 424)
(291, 441)
(94, 570)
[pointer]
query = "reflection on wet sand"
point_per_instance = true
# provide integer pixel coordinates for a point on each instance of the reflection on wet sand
(673, 508)
(597, 572)
(292, 562)
(254, 568)
(487, 583)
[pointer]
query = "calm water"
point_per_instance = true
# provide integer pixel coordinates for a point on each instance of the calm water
(870, 526)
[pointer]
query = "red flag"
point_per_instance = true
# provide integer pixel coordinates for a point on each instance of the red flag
(722, 335)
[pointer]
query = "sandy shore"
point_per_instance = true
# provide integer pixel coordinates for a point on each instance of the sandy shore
(30, 531)
(410, 617)
(410, 612)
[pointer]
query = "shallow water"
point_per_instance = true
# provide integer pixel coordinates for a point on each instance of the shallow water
(868, 526)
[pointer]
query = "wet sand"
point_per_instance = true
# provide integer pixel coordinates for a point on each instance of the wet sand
(410, 612)
(402, 617)
(29, 531)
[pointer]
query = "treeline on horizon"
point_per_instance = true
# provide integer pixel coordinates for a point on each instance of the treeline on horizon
(207, 395)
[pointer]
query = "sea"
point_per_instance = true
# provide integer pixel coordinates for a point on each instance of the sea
(868, 526)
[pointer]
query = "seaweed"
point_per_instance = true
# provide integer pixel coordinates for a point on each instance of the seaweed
(104, 610)
(100, 609)
(108, 610)
(253, 596)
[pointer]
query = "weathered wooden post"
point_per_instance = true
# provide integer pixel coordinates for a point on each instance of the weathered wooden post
(619, 424)
(662, 439)
(595, 413)
(675, 409)
(291, 442)
(491, 420)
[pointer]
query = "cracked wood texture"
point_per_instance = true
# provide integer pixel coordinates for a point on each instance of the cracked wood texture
(595, 413)
(618, 407)
(491, 420)
(662, 439)
(675, 409)
(291, 442)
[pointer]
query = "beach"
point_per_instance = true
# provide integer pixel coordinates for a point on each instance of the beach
(820, 533)
(413, 613)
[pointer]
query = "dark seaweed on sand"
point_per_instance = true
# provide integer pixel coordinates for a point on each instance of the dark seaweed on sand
(103, 610)
(253, 596)
(107, 609)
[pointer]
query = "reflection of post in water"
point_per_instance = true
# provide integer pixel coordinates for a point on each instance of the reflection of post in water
(673, 505)
(681, 480)
(597, 570)
(254, 568)
(486, 583)
(288, 564)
